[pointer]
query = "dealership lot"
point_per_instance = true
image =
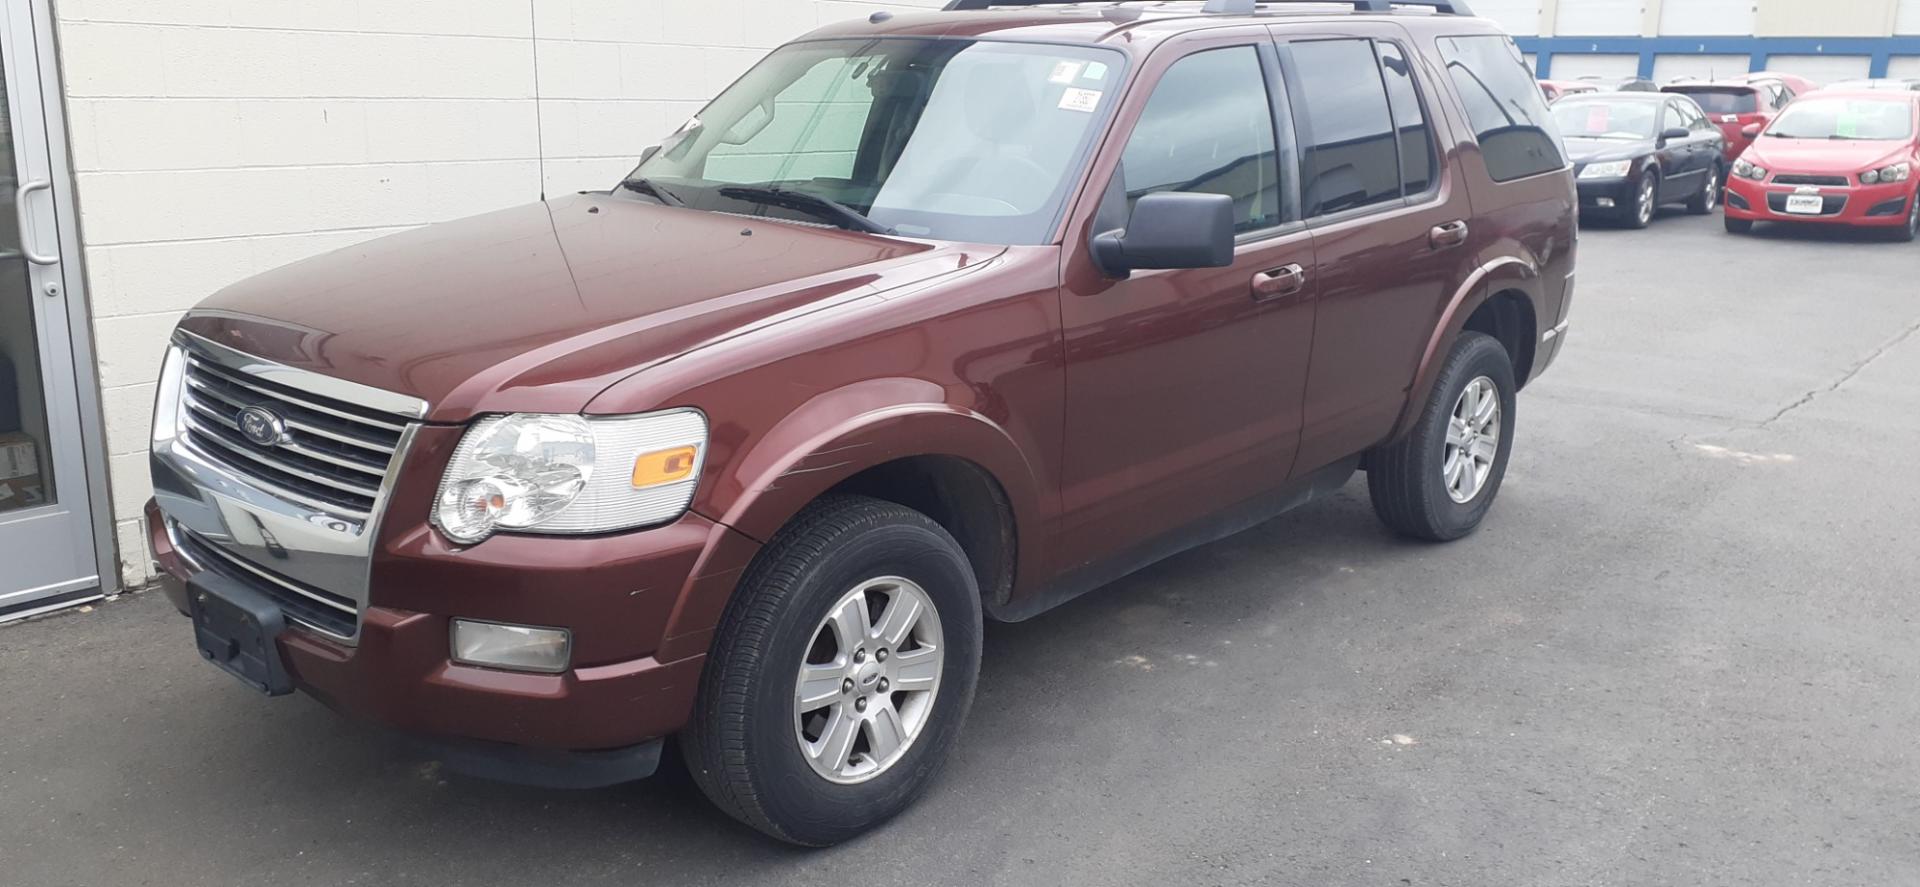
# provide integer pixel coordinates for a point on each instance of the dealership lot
(1681, 651)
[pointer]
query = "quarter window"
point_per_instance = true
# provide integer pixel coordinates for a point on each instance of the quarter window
(1349, 156)
(1416, 138)
(1208, 128)
(1510, 120)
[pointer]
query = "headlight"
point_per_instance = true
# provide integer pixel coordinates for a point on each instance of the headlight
(570, 474)
(1898, 172)
(1615, 169)
(1745, 169)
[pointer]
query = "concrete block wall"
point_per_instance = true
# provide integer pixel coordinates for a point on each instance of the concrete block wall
(213, 139)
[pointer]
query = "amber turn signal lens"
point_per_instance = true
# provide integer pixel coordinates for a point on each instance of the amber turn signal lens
(663, 466)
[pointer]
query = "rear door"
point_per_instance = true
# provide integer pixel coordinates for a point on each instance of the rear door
(1389, 222)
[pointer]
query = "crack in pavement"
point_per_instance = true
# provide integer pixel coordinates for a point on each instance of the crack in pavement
(1851, 371)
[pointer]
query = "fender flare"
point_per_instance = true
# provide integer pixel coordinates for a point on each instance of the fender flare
(1507, 272)
(840, 433)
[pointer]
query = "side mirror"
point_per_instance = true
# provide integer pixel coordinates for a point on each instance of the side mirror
(1169, 229)
(647, 153)
(1751, 130)
(1675, 132)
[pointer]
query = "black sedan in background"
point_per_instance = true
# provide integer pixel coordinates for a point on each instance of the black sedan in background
(1634, 152)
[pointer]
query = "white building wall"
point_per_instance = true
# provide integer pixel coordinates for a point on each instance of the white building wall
(1707, 17)
(1822, 68)
(1668, 68)
(213, 139)
(1612, 18)
(1573, 66)
(1907, 19)
(1907, 66)
(1520, 18)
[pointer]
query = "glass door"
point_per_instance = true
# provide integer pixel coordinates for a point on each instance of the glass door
(46, 541)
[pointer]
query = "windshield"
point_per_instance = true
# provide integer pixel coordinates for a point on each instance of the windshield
(1845, 119)
(942, 138)
(1584, 118)
(1724, 100)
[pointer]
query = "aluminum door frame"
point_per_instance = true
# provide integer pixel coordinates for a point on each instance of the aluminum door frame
(82, 514)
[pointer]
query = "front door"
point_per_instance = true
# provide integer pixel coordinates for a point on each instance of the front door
(46, 537)
(1184, 386)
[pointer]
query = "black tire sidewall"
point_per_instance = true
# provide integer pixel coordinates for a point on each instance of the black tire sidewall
(806, 807)
(1476, 355)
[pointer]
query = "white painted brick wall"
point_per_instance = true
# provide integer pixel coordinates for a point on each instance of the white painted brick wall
(213, 139)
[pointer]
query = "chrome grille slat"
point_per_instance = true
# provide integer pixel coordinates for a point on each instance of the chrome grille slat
(261, 388)
(246, 451)
(377, 471)
(312, 607)
(293, 422)
(334, 454)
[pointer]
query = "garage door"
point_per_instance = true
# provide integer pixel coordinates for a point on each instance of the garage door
(1822, 68)
(1668, 68)
(1520, 17)
(1907, 66)
(1707, 17)
(1616, 18)
(1572, 66)
(1908, 22)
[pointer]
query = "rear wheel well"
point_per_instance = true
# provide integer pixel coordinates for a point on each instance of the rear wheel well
(1508, 317)
(960, 496)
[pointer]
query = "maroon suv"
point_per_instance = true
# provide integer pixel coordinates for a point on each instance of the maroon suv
(924, 320)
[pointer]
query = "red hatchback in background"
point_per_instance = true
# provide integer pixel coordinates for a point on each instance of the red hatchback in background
(1556, 90)
(1846, 158)
(1734, 106)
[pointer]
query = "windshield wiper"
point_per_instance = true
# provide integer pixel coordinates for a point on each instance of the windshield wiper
(652, 189)
(812, 204)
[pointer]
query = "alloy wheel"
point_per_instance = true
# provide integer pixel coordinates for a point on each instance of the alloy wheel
(867, 683)
(1646, 200)
(1713, 188)
(1473, 440)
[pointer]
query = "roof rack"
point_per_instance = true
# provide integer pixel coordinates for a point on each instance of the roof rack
(1238, 7)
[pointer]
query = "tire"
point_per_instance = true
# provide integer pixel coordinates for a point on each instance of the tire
(1738, 226)
(1708, 198)
(744, 744)
(1405, 479)
(1646, 200)
(1909, 232)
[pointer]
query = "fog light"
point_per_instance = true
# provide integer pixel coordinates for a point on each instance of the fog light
(515, 647)
(1605, 202)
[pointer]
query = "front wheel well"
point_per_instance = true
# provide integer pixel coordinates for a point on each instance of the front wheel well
(1509, 318)
(960, 496)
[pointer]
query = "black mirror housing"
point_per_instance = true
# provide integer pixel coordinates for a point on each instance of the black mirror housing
(1168, 230)
(1675, 132)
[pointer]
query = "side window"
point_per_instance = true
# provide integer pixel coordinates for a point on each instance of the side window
(1697, 118)
(1349, 156)
(1673, 118)
(1416, 138)
(1781, 95)
(1208, 128)
(1516, 134)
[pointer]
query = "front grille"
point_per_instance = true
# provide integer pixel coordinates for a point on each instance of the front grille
(1830, 205)
(314, 607)
(336, 454)
(1829, 181)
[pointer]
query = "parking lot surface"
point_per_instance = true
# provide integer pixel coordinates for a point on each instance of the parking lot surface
(1681, 651)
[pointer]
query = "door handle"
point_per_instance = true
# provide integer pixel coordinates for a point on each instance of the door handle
(1447, 234)
(26, 227)
(1283, 281)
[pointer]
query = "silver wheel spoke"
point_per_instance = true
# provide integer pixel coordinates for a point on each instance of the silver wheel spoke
(851, 624)
(1483, 450)
(885, 734)
(836, 744)
(1456, 432)
(897, 619)
(917, 669)
(819, 685)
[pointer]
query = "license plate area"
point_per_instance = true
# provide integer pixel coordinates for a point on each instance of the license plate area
(1805, 204)
(236, 629)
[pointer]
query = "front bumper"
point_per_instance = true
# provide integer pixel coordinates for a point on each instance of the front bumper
(1856, 205)
(1605, 195)
(619, 595)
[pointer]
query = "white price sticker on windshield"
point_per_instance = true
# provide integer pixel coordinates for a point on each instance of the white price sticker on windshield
(1083, 100)
(1065, 72)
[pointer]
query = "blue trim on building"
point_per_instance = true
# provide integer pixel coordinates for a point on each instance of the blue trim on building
(1879, 50)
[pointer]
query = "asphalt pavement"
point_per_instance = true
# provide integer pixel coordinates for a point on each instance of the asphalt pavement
(1682, 650)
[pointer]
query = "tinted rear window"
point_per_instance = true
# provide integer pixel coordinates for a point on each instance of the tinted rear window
(1723, 101)
(1509, 116)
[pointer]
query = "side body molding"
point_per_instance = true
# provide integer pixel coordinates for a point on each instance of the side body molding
(1500, 274)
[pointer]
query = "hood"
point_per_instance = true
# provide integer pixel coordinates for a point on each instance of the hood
(1581, 149)
(541, 307)
(1825, 156)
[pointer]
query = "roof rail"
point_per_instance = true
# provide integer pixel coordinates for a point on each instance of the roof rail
(1443, 7)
